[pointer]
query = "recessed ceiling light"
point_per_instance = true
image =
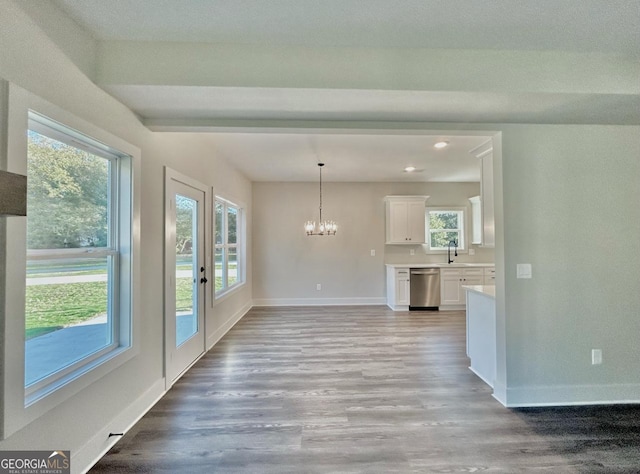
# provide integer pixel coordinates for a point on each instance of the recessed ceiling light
(409, 169)
(441, 144)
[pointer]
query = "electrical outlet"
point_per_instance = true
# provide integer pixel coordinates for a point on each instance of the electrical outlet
(412, 252)
(373, 252)
(318, 287)
(596, 356)
(472, 252)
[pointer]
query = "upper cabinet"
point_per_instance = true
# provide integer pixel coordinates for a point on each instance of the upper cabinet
(405, 217)
(485, 154)
(476, 220)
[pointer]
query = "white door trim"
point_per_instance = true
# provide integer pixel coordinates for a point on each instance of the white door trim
(170, 177)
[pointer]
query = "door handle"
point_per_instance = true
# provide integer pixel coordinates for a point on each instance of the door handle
(203, 280)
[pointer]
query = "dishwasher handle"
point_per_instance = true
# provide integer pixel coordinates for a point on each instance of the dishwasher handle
(425, 272)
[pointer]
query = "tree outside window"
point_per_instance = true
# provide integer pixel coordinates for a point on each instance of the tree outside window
(444, 226)
(228, 268)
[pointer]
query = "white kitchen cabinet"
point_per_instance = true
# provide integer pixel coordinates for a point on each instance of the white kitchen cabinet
(405, 219)
(485, 154)
(476, 220)
(451, 281)
(489, 276)
(398, 288)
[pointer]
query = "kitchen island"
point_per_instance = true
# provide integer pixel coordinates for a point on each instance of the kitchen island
(481, 330)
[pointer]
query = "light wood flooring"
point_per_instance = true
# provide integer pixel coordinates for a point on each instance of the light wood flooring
(360, 390)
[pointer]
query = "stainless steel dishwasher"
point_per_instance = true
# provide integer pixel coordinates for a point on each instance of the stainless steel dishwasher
(424, 288)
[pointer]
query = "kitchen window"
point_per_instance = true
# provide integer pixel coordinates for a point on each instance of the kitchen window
(228, 258)
(444, 225)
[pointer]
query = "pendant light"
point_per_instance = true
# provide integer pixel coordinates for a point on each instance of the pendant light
(323, 227)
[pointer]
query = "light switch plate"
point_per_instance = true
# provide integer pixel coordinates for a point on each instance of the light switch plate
(412, 252)
(523, 270)
(373, 252)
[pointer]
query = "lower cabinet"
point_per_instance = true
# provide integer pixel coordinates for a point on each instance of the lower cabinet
(451, 281)
(452, 296)
(490, 276)
(398, 285)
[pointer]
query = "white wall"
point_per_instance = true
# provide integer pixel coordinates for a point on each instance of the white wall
(288, 264)
(571, 209)
(82, 423)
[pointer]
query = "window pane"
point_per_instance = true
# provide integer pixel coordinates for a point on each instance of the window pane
(66, 313)
(186, 269)
(443, 220)
(442, 239)
(67, 196)
(219, 223)
(232, 219)
(219, 264)
(232, 272)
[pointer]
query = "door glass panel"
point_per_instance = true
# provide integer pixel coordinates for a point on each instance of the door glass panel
(186, 268)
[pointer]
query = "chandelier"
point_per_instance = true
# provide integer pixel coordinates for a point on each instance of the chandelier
(323, 227)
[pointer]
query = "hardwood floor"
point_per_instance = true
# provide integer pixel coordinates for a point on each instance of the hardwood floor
(360, 389)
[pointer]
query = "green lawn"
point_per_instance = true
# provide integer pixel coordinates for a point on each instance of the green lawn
(53, 307)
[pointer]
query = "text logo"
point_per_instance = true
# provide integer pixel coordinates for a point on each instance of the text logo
(35, 462)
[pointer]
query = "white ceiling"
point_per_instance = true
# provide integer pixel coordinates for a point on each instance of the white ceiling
(350, 157)
(565, 25)
(576, 26)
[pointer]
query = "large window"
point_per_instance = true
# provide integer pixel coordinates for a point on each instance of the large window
(445, 226)
(228, 249)
(77, 294)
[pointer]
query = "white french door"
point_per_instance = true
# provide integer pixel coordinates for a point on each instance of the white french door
(185, 273)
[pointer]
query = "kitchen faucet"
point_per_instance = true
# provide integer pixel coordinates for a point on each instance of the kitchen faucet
(455, 243)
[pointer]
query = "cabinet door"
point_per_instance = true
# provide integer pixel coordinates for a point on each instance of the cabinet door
(416, 222)
(489, 276)
(450, 283)
(486, 187)
(402, 291)
(398, 217)
(476, 220)
(473, 276)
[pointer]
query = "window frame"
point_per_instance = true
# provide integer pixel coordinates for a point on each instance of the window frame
(59, 132)
(462, 231)
(18, 407)
(225, 246)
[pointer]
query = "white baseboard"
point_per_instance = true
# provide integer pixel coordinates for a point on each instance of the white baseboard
(229, 323)
(500, 393)
(90, 453)
(364, 301)
(453, 307)
(564, 395)
(481, 377)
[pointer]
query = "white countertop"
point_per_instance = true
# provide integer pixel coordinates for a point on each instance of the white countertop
(486, 290)
(439, 265)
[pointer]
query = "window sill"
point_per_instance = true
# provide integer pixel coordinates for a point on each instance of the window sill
(223, 295)
(443, 252)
